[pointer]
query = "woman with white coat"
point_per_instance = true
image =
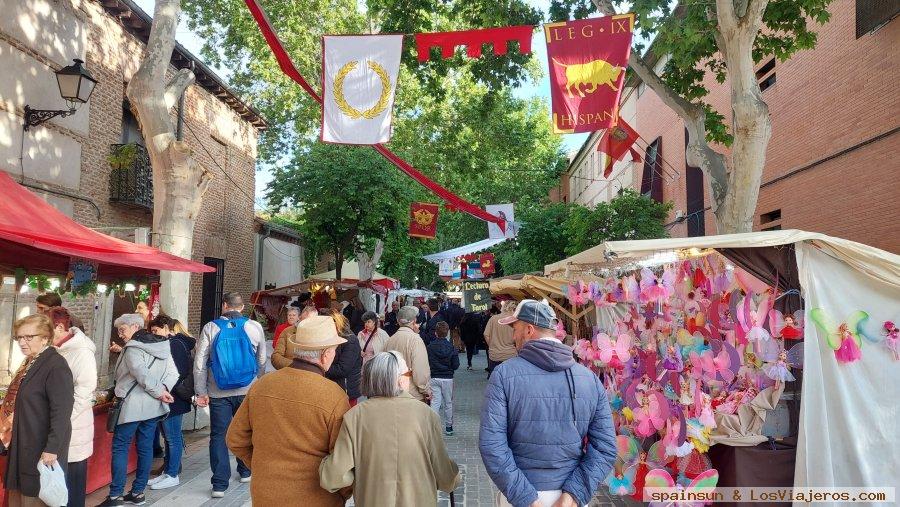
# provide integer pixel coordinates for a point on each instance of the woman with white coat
(78, 351)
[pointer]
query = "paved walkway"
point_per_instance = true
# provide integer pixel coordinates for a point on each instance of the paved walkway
(476, 489)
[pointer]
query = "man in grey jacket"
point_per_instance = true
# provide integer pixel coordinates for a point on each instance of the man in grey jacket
(223, 404)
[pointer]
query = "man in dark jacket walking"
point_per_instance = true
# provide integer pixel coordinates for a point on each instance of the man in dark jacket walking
(443, 359)
(434, 316)
(539, 408)
(347, 367)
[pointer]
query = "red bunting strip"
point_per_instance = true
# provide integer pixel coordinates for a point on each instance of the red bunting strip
(473, 40)
(287, 66)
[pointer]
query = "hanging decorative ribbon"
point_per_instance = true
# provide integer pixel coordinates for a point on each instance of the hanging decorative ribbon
(287, 66)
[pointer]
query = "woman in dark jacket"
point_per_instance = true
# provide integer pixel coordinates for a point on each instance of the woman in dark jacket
(471, 333)
(182, 344)
(346, 369)
(35, 417)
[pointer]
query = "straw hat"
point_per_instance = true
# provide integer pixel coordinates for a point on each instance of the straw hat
(315, 333)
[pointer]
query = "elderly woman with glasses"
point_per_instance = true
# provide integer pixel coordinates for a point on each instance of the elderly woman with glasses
(35, 422)
(390, 447)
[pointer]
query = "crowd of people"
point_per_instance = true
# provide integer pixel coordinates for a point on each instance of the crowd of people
(353, 404)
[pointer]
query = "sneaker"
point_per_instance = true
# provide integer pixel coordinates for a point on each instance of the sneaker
(245, 480)
(449, 431)
(112, 501)
(156, 479)
(469, 368)
(218, 494)
(135, 498)
(167, 482)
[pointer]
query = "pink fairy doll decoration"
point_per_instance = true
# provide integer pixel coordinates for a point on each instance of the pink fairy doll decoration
(843, 338)
(653, 289)
(779, 370)
(786, 326)
(613, 353)
(892, 339)
(751, 321)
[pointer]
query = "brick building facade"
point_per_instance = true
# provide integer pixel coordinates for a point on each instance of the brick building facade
(67, 160)
(830, 165)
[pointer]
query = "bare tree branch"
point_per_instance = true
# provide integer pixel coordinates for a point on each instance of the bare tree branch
(176, 87)
(728, 19)
(753, 17)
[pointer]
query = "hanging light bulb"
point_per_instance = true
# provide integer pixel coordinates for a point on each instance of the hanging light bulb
(102, 288)
(129, 287)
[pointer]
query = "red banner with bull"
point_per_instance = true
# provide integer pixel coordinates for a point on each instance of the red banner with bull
(587, 59)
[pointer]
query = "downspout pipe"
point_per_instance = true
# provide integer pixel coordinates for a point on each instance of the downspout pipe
(265, 231)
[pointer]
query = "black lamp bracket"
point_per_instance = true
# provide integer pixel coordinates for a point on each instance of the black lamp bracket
(35, 117)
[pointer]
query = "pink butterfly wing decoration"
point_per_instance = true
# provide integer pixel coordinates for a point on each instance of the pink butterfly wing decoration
(722, 365)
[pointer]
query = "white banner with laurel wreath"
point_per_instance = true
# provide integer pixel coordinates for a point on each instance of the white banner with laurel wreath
(359, 78)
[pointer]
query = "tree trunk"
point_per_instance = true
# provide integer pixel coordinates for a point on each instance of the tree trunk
(366, 272)
(178, 181)
(734, 191)
(750, 124)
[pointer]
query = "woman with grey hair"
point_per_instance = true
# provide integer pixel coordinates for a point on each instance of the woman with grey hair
(144, 373)
(390, 447)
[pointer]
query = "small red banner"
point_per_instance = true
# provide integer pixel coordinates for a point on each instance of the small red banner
(487, 264)
(473, 40)
(587, 60)
(616, 142)
(423, 219)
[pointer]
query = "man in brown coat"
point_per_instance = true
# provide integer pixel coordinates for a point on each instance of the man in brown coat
(290, 420)
(499, 338)
(409, 344)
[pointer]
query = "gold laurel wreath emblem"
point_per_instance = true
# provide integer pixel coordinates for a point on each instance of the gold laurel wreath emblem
(351, 111)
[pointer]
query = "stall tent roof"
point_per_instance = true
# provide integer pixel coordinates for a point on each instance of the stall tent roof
(875, 262)
(36, 236)
(349, 271)
(527, 286)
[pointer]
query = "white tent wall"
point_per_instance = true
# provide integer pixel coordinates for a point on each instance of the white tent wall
(849, 414)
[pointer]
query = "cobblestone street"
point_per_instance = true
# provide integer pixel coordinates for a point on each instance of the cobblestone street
(476, 489)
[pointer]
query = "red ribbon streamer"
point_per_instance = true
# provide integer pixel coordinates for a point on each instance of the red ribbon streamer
(287, 66)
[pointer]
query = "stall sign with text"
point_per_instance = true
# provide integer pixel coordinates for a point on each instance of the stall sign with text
(476, 296)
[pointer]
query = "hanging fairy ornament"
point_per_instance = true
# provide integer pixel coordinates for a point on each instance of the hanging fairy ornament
(630, 456)
(751, 320)
(653, 289)
(660, 478)
(843, 338)
(786, 326)
(892, 339)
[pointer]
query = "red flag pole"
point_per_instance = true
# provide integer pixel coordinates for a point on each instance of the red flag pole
(287, 66)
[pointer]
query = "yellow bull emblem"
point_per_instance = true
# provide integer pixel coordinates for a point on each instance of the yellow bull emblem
(590, 75)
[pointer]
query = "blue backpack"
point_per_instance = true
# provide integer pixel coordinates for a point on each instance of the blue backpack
(232, 359)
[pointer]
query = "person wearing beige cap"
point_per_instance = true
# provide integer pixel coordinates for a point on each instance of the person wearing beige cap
(291, 419)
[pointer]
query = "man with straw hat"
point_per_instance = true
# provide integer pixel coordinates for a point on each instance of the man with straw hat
(290, 420)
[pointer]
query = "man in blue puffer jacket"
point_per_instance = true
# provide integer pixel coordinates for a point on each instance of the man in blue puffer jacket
(547, 436)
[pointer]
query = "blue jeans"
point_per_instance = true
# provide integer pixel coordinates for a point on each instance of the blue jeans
(221, 410)
(143, 432)
(174, 440)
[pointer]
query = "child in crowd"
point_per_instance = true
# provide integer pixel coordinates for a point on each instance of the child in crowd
(443, 358)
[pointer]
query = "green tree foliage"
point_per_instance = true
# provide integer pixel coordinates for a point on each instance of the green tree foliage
(628, 216)
(687, 34)
(553, 232)
(345, 197)
(455, 120)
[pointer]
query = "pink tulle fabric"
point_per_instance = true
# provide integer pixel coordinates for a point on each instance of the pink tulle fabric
(848, 352)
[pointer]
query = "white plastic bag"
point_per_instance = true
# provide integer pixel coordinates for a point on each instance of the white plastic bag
(53, 492)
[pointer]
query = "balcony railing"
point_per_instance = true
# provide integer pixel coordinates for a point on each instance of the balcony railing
(131, 178)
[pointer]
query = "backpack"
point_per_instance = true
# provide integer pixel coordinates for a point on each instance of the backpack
(232, 359)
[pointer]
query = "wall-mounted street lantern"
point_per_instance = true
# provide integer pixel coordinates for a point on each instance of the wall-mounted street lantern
(75, 86)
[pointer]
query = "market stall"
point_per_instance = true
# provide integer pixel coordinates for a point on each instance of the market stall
(323, 288)
(38, 241)
(518, 287)
(716, 329)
